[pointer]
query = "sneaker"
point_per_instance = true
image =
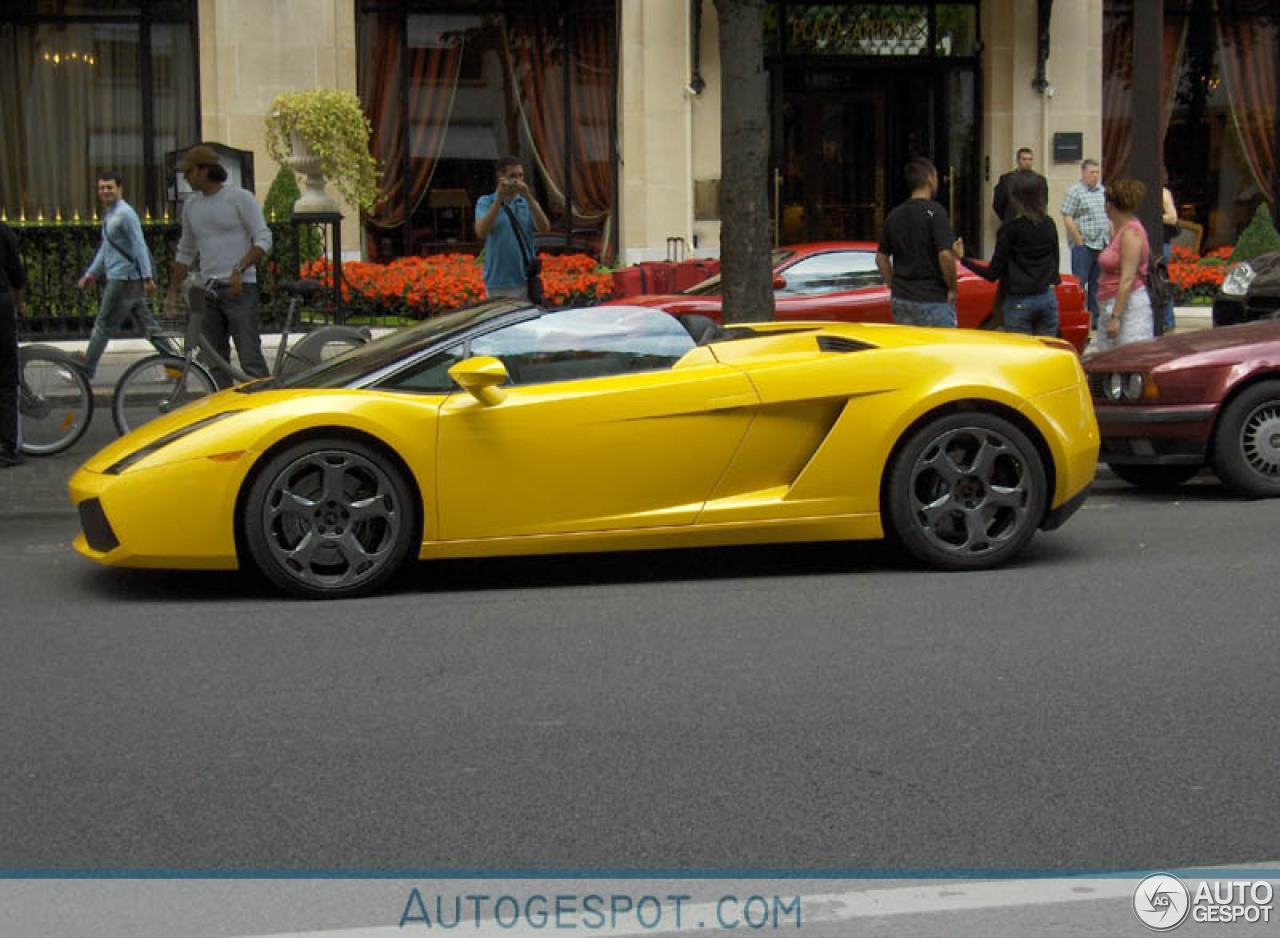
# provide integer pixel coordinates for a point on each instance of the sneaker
(8, 458)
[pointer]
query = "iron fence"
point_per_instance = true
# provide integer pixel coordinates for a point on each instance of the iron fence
(56, 254)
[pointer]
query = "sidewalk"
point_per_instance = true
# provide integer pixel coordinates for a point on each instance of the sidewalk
(121, 353)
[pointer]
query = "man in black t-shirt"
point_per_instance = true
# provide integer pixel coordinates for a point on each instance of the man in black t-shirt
(915, 254)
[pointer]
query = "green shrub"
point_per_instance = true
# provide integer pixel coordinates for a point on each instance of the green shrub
(1261, 236)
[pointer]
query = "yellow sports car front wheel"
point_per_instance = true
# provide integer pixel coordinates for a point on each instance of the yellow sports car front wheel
(329, 518)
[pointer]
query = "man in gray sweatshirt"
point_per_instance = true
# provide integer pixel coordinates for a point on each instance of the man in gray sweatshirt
(225, 227)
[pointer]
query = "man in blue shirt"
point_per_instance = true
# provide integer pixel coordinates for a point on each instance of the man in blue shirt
(505, 260)
(124, 262)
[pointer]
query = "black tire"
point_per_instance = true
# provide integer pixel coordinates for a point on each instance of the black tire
(320, 345)
(55, 400)
(1153, 477)
(149, 388)
(965, 492)
(329, 519)
(1246, 444)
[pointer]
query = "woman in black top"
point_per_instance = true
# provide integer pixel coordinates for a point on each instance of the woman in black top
(12, 280)
(1025, 262)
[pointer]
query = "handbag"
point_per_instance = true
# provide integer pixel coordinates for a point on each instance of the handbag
(1159, 288)
(532, 263)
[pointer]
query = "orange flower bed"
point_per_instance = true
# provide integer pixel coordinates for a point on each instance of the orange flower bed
(426, 286)
(1195, 276)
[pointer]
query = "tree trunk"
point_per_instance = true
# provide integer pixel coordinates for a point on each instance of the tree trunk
(746, 274)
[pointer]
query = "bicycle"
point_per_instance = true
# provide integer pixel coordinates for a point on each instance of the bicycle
(164, 382)
(55, 400)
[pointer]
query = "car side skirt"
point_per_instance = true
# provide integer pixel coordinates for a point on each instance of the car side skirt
(851, 527)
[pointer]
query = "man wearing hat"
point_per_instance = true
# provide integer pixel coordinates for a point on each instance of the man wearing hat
(224, 226)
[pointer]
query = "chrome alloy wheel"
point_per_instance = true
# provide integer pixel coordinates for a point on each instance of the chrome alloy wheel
(331, 520)
(971, 491)
(1260, 439)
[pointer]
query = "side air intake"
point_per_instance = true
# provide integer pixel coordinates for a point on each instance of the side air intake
(835, 343)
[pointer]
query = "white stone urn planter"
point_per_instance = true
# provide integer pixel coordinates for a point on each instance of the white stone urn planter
(315, 200)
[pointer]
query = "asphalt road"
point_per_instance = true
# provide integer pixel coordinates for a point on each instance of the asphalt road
(1108, 702)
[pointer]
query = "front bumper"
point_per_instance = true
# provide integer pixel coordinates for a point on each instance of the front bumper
(1154, 435)
(178, 517)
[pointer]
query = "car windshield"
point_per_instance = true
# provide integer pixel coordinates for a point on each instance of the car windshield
(366, 359)
(711, 286)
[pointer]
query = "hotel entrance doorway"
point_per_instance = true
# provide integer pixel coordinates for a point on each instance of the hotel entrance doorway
(832, 177)
(842, 136)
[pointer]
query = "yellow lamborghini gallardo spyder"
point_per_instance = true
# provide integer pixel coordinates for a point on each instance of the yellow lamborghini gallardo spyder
(505, 429)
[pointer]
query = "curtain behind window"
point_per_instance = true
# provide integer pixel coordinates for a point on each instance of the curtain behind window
(1249, 45)
(72, 106)
(1117, 106)
(543, 49)
(173, 96)
(447, 93)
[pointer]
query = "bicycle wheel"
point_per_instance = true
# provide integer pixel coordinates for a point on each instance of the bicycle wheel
(321, 345)
(55, 400)
(156, 386)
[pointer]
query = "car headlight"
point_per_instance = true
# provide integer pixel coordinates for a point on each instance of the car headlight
(1133, 386)
(1124, 386)
(1237, 282)
(140, 454)
(1113, 387)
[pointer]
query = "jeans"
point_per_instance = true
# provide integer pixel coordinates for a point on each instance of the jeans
(1169, 323)
(1084, 264)
(235, 317)
(913, 313)
(511, 293)
(1035, 315)
(120, 300)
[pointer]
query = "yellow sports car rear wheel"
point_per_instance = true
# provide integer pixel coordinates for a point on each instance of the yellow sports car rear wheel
(966, 491)
(329, 518)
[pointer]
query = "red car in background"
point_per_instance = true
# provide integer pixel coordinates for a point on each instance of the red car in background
(838, 280)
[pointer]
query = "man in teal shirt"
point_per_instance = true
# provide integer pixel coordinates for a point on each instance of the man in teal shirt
(124, 262)
(505, 259)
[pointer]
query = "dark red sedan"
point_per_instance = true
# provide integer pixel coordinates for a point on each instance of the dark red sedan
(838, 280)
(1169, 407)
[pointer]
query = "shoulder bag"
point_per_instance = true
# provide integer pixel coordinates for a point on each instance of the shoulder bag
(532, 263)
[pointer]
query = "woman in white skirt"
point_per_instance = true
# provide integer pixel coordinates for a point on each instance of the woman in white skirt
(1124, 307)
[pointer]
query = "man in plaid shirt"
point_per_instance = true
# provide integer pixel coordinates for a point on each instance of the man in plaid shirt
(1084, 215)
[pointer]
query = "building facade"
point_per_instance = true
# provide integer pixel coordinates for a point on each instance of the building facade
(614, 105)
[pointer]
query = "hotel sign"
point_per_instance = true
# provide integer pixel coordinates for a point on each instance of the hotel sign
(831, 29)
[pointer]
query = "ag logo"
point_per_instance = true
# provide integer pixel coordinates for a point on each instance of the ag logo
(1161, 901)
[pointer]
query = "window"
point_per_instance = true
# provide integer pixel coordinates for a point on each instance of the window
(429, 376)
(92, 87)
(448, 92)
(587, 343)
(833, 272)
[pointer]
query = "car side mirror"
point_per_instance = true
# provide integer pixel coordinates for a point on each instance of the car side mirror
(480, 377)
(779, 282)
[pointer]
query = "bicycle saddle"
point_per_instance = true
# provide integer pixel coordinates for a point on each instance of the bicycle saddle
(303, 289)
